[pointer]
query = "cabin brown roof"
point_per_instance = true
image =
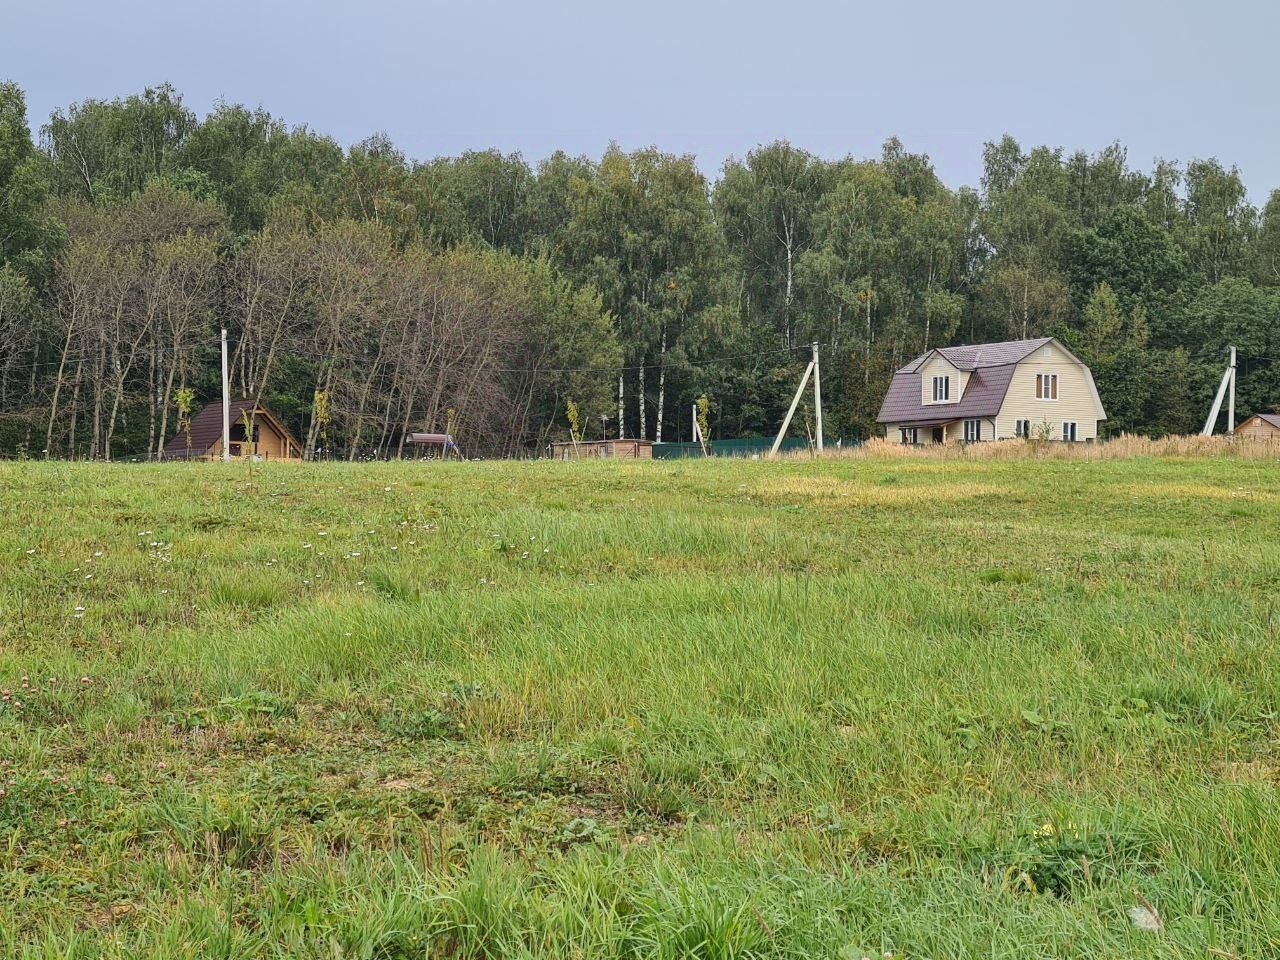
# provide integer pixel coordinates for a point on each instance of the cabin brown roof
(1271, 418)
(206, 429)
(990, 367)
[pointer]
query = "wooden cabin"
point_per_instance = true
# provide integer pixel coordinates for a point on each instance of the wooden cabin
(271, 439)
(1261, 426)
(617, 449)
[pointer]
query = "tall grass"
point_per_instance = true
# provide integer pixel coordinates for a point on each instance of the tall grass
(930, 705)
(1127, 446)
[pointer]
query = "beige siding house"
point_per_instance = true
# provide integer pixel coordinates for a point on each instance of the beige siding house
(1036, 389)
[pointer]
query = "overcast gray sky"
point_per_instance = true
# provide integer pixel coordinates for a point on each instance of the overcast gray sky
(1171, 80)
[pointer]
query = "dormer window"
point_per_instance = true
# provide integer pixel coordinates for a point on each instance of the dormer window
(941, 389)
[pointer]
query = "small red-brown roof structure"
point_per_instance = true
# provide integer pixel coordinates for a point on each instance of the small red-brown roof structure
(272, 439)
(442, 440)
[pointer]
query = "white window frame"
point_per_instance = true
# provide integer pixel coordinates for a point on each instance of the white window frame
(910, 435)
(1046, 386)
(942, 389)
(1070, 430)
(973, 431)
(1022, 429)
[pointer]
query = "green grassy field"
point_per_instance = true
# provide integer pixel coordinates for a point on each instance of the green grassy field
(924, 708)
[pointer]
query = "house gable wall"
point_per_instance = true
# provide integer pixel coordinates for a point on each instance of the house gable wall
(1257, 428)
(271, 445)
(1076, 397)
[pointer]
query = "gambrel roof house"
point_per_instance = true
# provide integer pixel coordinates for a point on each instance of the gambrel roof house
(993, 391)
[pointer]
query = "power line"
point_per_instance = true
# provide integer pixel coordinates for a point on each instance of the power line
(614, 369)
(72, 362)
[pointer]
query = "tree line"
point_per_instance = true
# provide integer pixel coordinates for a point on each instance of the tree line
(368, 295)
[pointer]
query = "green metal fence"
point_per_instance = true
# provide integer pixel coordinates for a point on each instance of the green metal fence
(738, 447)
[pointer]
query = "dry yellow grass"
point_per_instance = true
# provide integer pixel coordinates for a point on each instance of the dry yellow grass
(1124, 447)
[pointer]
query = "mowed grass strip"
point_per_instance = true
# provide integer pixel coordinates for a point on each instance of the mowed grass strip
(929, 708)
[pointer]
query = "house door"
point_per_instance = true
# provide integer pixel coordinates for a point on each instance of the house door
(938, 433)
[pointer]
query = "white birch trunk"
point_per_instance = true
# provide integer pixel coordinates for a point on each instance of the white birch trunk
(644, 426)
(662, 385)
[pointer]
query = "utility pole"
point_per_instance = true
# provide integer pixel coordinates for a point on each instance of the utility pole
(698, 437)
(817, 396)
(226, 402)
(811, 369)
(1231, 397)
(795, 402)
(1226, 388)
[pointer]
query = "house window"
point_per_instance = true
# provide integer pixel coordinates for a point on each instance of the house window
(941, 389)
(1068, 430)
(1046, 386)
(910, 434)
(972, 431)
(1022, 428)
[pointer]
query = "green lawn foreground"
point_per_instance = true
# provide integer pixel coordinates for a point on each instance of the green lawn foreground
(923, 708)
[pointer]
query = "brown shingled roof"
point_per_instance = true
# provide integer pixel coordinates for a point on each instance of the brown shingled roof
(990, 366)
(980, 355)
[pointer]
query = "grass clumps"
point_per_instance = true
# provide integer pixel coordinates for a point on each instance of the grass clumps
(923, 706)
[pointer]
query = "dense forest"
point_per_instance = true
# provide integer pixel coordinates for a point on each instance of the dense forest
(368, 294)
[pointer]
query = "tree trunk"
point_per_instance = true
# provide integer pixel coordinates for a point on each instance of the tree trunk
(662, 384)
(57, 389)
(75, 410)
(788, 333)
(153, 390)
(866, 351)
(95, 448)
(383, 450)
(313, 428)
(164, 407)
(644, 426)
(408, 415)
(1026, 298)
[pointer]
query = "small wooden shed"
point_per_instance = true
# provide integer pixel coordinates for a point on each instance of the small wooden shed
(1261, 426)
(617, 449)
(271, 439)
